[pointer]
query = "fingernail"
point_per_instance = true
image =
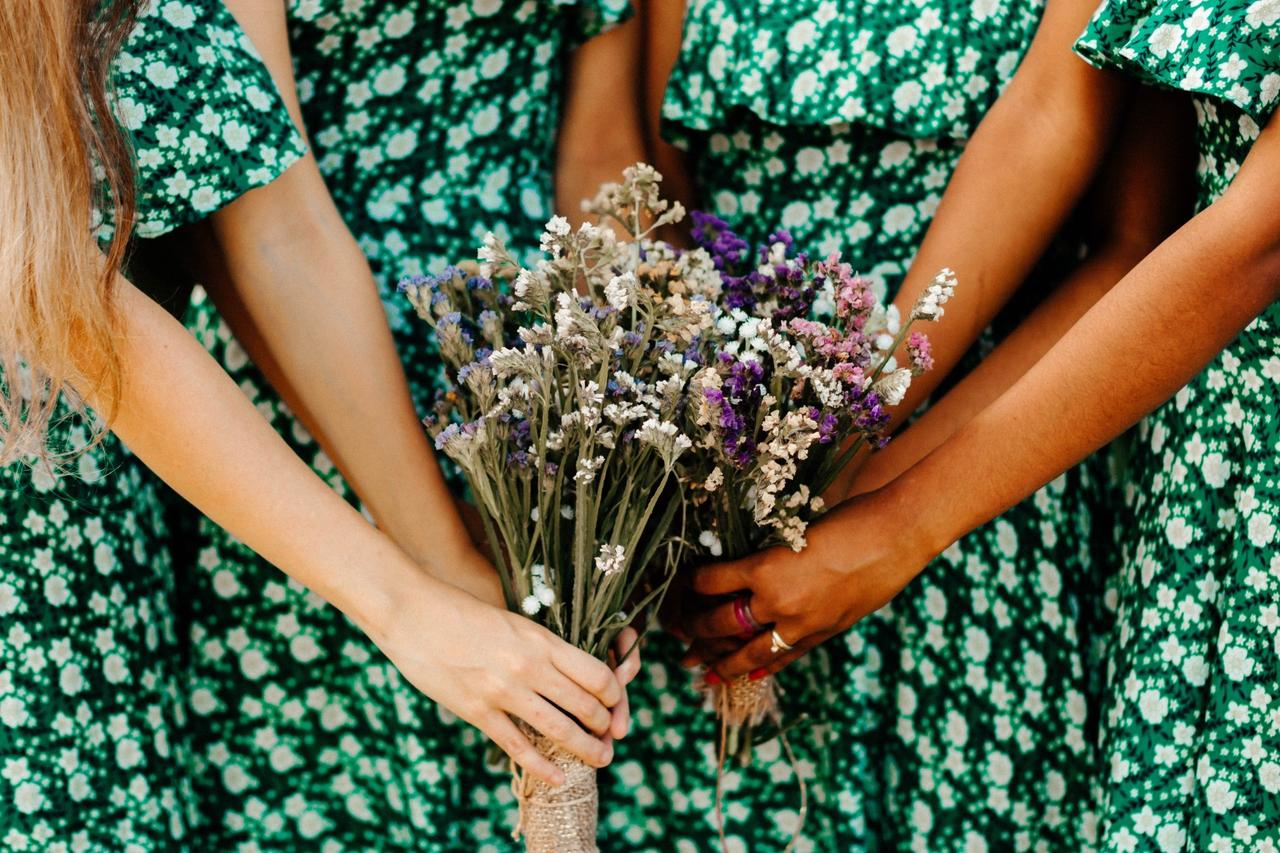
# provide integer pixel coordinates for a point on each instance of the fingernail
(757, 674)
(713, 679)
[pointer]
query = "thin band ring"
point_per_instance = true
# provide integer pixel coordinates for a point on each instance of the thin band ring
(779, 644)
(742, 612)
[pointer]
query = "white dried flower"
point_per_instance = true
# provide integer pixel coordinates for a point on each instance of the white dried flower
(492, 254)
(509, 361)
(587, 469)
(557, 229)
(709, 540)
(531, 605)
(620, 290)
(611, 559)
(665, 437)
(892, 387)
(546, 596)
(929, 306)
(714, 480)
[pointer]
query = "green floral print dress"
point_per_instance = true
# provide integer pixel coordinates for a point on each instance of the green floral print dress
(1191, 730)
(433, 122)
(959, 717)
(92, 748)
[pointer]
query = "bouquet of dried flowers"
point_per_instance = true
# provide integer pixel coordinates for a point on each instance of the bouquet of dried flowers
(564, 411)
(799, 373)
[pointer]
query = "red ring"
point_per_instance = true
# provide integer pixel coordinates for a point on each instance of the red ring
(746, 621)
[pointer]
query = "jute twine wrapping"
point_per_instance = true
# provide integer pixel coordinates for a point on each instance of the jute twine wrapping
(743, 702)
(557, 820)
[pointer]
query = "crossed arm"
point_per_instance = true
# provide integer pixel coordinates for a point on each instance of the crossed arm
(1117, 353)
(1126, 355)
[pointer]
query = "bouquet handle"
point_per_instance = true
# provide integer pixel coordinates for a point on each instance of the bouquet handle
(556, 819)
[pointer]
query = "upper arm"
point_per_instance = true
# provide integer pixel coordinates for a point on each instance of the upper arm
(663, 33)
(601, 115)
(1053, 84)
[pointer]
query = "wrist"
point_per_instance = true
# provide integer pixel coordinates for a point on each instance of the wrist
(928, 521)
(371, 591)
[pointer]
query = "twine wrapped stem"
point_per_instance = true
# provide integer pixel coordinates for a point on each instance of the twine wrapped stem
(557, 819)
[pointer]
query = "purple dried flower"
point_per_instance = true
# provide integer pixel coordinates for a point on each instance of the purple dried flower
(712, 233)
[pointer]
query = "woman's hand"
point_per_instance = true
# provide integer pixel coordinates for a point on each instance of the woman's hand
(626, 651)
(488, 665)
(858, 558)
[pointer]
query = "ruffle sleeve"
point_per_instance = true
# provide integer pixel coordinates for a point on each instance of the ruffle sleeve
(590, 18)
(206, 120)
(923, 69)
(1226, 49)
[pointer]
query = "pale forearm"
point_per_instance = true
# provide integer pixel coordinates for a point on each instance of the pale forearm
(189, 423)
(298, 292)
(1126, 356)
(300, 295)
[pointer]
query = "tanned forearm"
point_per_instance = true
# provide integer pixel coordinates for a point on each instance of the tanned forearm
(1022, 173)
(1142, 195)
(663, 34)
(601, 131)
(1131, 352)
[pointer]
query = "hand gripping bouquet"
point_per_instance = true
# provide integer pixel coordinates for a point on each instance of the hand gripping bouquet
(800, 374)
(568, 387)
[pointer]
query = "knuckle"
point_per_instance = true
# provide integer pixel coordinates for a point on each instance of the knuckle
(493, 689)
(602, 680)
(523, 667)
(600, 719)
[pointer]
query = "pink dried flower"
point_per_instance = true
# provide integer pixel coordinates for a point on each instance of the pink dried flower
(920, 351)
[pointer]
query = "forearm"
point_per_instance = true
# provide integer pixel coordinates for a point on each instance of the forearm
(1026, 167)
(189, 423)
(299, 294)
(600, 129)
(1011, 360)
(663, 34)
(1143, 194)
(1127, 355)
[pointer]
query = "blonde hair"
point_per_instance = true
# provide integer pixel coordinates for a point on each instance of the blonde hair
(63, 162)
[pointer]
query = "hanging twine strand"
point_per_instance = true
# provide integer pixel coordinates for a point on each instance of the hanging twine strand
(743, 704)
